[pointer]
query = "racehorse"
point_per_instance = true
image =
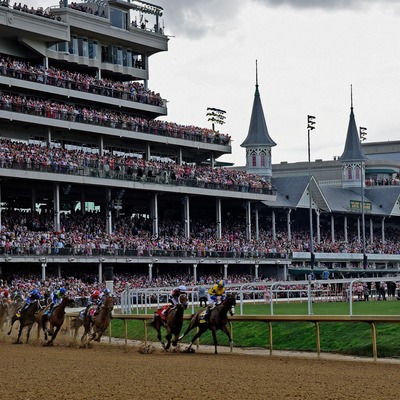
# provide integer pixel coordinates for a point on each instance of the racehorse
(56, 320)
(218, 320)
(98, 323)
(4, 312)
(76, 324)
(174, 322)
(27, 318)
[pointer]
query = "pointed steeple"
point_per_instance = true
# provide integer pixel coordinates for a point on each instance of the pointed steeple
(258, 132)
(352, 150)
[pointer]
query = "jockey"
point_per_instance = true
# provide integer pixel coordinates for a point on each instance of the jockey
(4, 295)
(58, 295)
(173, 298)
(33, 295)
(215, 294)
(93, 299)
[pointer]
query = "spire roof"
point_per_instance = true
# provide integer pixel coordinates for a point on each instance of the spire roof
(258, 132)
(353, 150)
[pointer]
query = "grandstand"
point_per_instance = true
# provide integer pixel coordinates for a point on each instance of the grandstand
(92, 175)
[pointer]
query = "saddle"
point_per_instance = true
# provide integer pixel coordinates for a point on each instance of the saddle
(163, 312)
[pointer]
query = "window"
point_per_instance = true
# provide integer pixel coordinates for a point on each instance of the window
(357, 173)
(349, 173)
(254, 160)
(262, 159)
(93, 49)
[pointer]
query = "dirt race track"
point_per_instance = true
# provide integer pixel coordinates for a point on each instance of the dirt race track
(113, 371)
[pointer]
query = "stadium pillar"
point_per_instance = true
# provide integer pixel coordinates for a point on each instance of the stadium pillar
(310, 127)
(358, 230)
(371, 230)
(180, 156)
(148, 151)
(318, 226)
(256, 267)
(109, 278)
(289, 223)
(56, 206)
(101, 145)
(256, 222)
(273, 225)
(212, 160)
(225, 271)
(219, 217)
(332, 228)
(100, 272)
(195, 273)
(150, 272)
(44, 265)
(108, 211)
(48, 136)
(248, 220)
(345, 228)
(186, 214)
(154, 214)
(383, 229)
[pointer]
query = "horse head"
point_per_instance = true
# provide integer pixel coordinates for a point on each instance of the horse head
(109, 303)
(230, 303)
(183, 300)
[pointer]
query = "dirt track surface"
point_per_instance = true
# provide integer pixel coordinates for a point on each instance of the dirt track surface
(104, 371)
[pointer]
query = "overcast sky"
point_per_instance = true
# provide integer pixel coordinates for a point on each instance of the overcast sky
(309, 52)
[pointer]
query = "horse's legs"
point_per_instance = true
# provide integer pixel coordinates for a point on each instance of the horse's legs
(188, 329)
(214, 335)
(54, 334)
(228, 333)
(28, 333)
(19, 333)
(168, 337)
(12, 323)
(195, 337)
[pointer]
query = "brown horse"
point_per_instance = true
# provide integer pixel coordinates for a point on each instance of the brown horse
(218, 320)
(98, 323)
(26, 319)
(56, 320)
(174, 322)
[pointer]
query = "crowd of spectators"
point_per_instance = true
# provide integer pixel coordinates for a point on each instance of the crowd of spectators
(28, 156)
(25, 233)
(24, 8)
(134, 91)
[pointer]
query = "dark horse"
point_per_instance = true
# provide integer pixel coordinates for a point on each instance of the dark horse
(173, 324)
(27, 318)
(218, 319)
(4, 311)
(56, 320)
(98, 323)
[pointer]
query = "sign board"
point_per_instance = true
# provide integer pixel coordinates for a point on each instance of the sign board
(356, 205)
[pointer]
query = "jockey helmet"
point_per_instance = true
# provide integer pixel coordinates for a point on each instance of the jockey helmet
(36, 292)
(5, 293)
(182, 288)
(106, 291)
(62, 290)
(95, 294)
(221, 284)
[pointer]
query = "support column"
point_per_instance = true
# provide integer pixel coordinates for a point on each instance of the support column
(256, 267)
(195, 273)
(345, 228)
(180, 156)
(83, 203)
(358, 230)
(56, 206)
(48, 136)
(98, 73)
(154, 214)
(33, 200)
(109, 278)
(212, 160)
(186, 216)
(148, 151)
(371, 230)
(289, 225)
(256, 222)
(273, 225)
(150, 272)
(219, 217)
(333, 228)
(108, 212)
(101, 145)
(383, 230)
(100, 272)
(248, 220)
(44, 265)
(225, 271)
(318, 213)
